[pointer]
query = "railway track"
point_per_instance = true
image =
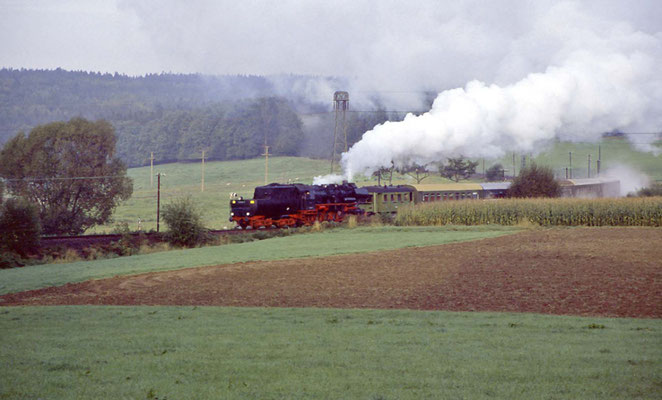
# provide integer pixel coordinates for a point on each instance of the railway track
(82, 241)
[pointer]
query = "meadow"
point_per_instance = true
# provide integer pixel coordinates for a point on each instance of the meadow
(172, 352)
(241, 177)
(238, 353)
(325, 243)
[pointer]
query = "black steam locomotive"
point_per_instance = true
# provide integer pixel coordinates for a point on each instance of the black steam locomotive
(284, 205)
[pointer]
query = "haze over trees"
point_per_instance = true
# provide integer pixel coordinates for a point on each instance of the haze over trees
(177, 116)
(69, 171)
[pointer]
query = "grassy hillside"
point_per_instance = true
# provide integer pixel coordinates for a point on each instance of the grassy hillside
(615, 152)
(231, 353)
(223, 178)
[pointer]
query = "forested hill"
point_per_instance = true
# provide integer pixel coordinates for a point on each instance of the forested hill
(176, 116)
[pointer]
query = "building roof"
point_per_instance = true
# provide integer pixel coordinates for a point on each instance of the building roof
(496, 185)
(586, 181)
(448, 187)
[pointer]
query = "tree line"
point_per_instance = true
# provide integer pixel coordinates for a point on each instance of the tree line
(176, 116)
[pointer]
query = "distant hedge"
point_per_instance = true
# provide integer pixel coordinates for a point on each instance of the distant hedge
(545, 212)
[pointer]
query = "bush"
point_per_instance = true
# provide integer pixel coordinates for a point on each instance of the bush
(535, 181)
(653, 190)
(185, 228)
(19, 227)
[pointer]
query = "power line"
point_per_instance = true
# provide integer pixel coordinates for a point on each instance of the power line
(64, 178)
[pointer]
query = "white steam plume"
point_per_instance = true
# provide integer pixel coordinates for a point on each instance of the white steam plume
(328, 179)
(630, 179)
(606, 78)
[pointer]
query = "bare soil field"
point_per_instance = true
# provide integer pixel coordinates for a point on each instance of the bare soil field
(614, 272)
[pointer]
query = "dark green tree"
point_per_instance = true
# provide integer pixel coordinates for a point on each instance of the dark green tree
(20, 229)
(495, 173)
(416, 171)
(535, 181)
(69, 170)
(458, 168)
(184, 222)
(653, 190)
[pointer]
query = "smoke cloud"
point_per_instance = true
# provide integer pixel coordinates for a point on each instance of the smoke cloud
(605, 77)
(630, 179)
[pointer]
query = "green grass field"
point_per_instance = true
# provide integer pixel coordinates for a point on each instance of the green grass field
(230, 353)
(223, 178)
(325, 243)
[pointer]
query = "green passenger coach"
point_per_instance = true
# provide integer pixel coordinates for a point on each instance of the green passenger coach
(387, 199)
(446, 192)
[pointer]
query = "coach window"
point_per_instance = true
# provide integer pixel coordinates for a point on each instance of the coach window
(392, 198)
(385, 198)
(399, 198)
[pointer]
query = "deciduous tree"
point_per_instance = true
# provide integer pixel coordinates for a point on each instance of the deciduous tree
(458, 168)
(416, 171)
(69, 170)
(535, 181)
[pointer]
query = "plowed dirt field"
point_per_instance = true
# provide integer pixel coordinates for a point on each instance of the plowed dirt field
(580, 271)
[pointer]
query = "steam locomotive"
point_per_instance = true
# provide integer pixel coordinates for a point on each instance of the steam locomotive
(297, 205)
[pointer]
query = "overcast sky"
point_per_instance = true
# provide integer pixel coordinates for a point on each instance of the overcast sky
(397, 45)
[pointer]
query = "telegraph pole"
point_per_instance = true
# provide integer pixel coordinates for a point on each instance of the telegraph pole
(151, 169)
(589, 166)
(202, 184)
(513, 164)
(158, 200)
(266, 164)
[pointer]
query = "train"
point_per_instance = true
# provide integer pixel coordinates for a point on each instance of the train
(294, 205)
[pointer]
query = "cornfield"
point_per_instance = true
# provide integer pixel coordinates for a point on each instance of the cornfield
(546, 212)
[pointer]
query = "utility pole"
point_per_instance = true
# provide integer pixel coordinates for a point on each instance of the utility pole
(151, 169)
(202, 184)
(266, 164)
(340, 105)
(513, 164)
(589, 166)
(158, 200)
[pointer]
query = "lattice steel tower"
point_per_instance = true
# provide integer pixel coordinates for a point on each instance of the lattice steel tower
(340, 106)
